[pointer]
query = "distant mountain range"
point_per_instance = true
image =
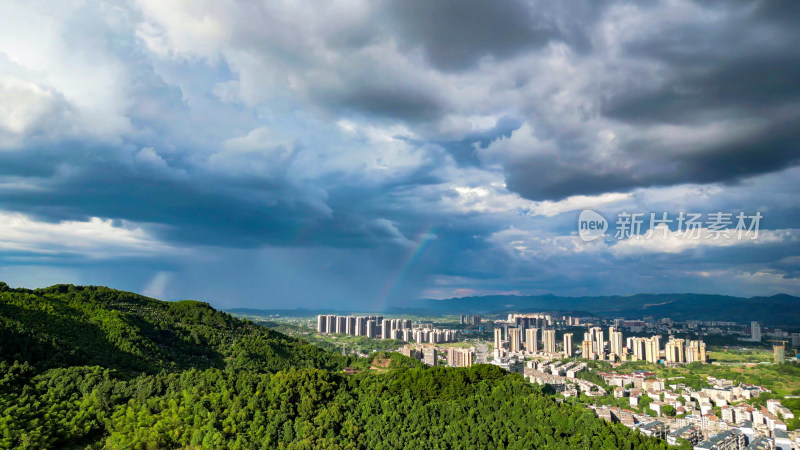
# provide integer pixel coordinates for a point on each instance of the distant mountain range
(777, 309)
(781, 309)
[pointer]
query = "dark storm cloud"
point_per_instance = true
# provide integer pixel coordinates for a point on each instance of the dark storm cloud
(191, 205)
(739, 68)
(747, 64)
(457, 34)
(400, 101)
(646, 164)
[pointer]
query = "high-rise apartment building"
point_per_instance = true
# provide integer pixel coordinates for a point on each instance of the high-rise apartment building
(386, 329)
(370, 331)
(696, 352)
(460, 357)
(755, 331)
(322, 323)
(498, 339)
(360, 326)
(515, 340)
(532, 340)
(615, 339)
(567, 345)
(407, 334)
(330, 324)
(378, 327)
(549, 338)
(601, 343)
(653, 349)
(469, 319)
(586, 348)
(779, 354)
(429, 356)
(638, 347)
(674, 351)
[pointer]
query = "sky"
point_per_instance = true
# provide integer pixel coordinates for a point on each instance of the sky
(358, 154)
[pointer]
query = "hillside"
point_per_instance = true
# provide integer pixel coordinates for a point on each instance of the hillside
(67, 325)
(95, 367)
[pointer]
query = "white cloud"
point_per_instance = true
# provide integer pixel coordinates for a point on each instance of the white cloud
(60, 50)
(665, 241)
(26, 109)
(542, 245)
(96, 238)
(496, 198)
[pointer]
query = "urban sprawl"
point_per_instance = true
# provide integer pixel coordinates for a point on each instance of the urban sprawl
(544, 350)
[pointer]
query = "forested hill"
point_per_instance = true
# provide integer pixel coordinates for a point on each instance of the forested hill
(92, 367)
(67, 325)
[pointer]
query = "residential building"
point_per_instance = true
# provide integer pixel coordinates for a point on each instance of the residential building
(549, 341)
(567, 345)
(727, 440)
(690, 433)
(755, 331)
(429, 356)
(460, 357)
(653, 349)
(532, 340)
(515, 340)
(322, 323)
(615, 339)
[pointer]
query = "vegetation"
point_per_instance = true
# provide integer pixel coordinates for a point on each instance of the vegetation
(66, 325)
(741, 355)
(90, 366)
(783, 379)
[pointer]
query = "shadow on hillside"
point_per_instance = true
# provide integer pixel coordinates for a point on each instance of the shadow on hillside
(49, 333)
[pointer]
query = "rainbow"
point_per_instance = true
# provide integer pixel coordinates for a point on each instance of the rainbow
(423, 240)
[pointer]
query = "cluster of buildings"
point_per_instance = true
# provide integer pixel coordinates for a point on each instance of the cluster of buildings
(562, 377)
(430, 354)
(750, 332)
(522, 334)
(529, 335)
(378, 326)
(675, 351)
(469, 319)
(779, 346)
(714, 437)
(694, 420)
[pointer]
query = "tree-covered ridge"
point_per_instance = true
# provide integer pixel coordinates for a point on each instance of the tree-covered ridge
(95, 367)
(67, 325)
(478, 407)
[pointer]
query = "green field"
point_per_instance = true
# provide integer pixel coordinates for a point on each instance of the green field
(741, 356)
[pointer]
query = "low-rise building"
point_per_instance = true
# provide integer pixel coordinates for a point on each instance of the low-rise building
(690, 433)
(655, 428)
(726, 440)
